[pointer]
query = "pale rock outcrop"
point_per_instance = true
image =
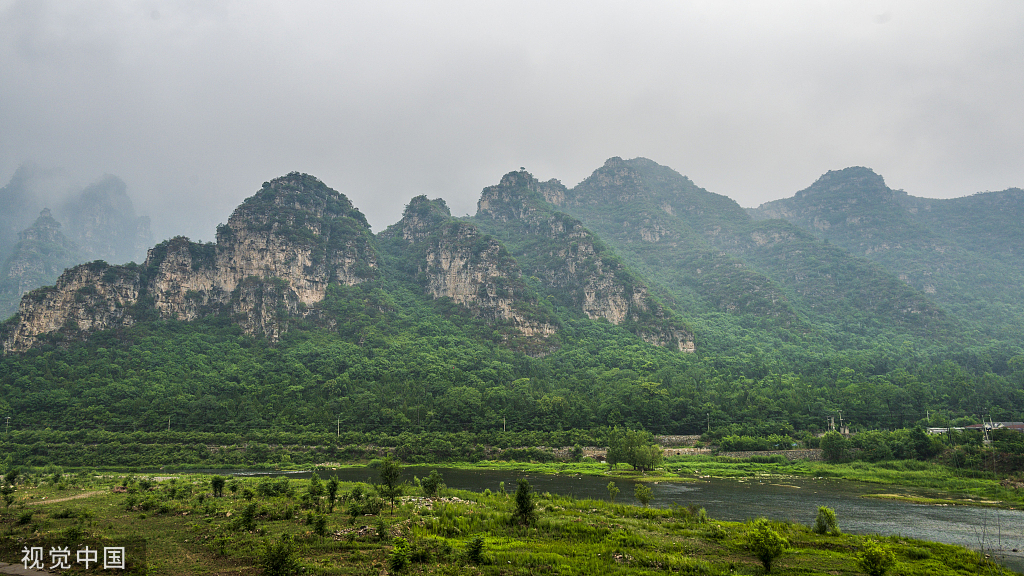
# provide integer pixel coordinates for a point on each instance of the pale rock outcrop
(279, 251)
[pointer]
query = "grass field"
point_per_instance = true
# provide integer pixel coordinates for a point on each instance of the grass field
(259, 526)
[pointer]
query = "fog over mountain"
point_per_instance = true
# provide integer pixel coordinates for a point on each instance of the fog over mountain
(194, 104)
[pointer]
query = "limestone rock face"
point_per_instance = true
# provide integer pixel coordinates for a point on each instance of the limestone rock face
(277, 254)
(455, 260)
(86, 298)
(572, 262)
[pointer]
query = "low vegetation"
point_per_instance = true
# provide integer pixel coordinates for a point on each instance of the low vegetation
(280, 526)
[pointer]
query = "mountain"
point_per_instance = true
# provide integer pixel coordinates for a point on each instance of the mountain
(966, 254)
(573, 266)
(97, 222)
(455, 260)
(634, 298)
(712, 257)
(102, 220)
(275, 257)
(39, 257)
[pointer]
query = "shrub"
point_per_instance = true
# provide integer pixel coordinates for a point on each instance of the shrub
(613, 491)
(217, 485)
(475, 551)
(432, 484)
(765, 542)
(399, 557)
(526, 508)
(643, 493)
(715, 531)
(826, 522)
(279, 559)
(875, 558)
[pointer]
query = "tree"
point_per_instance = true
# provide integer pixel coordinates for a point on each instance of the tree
(613, 491)
(875, 559)
(765, 542)
(526, 508)
(826, 522)
(634, 447)
(279, 559)
(389, 487)
(643, 493)
(432, 484)
(834, 446)
(217, 485)
(332, 492)
(316, 490)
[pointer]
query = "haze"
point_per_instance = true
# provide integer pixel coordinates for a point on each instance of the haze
(196, 103)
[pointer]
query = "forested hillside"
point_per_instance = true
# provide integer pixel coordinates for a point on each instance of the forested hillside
(966, 254)
(635, 298)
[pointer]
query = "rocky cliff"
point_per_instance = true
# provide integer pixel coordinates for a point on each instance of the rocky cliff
(274, 258)
(453, 259)
(571, 262)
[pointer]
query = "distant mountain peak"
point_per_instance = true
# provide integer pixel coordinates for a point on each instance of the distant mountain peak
(853, 178)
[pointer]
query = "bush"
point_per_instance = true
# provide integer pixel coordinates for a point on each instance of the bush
(475, 551)
(875, 558)
(715, 531)
(432, 484)
(826, 522)
(279, 559)
(526, 508)
(834, 447)
(765, 542)
(217, 485)
(399, 557)
(643, 493)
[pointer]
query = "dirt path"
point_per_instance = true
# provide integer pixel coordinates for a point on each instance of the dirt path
(75, 497)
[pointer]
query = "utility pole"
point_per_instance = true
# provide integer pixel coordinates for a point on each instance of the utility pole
(502, 423)
(8, 431)
(709, 421)
(168, 423)
(339, 426)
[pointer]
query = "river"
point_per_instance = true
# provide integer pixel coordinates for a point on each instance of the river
(997, 532)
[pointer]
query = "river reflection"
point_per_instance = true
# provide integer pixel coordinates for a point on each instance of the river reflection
(998, 532)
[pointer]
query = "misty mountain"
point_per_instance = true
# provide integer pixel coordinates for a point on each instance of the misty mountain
(77, 225)
(966, 254)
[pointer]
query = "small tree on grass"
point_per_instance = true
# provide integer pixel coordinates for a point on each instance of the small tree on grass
(279, 559)
(389, 487)
(875, 558)
(246, 521)
(613, 491)
(316, 490)
(332, 492)
(826, 523)
(643, 493)
(432, 484)
(475, 551)
(217, 485)
(526, 508)
(765, 542)
(399, 557)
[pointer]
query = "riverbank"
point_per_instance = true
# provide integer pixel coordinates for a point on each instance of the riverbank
(187, 529)
(934, 480)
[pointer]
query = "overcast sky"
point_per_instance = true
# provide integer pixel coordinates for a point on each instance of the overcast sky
(195, 103)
